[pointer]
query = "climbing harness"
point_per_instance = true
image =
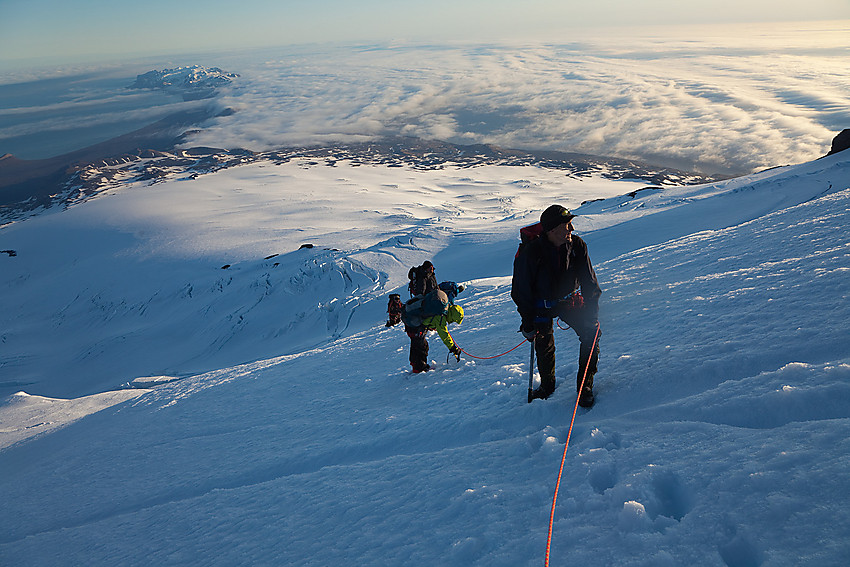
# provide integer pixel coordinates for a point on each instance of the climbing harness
(566, 446)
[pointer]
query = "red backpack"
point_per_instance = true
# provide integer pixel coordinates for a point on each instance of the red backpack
(394, 307)
(527, 234)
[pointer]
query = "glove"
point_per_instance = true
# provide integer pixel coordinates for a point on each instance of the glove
(573, 301)
(455, 350)
(528, 332)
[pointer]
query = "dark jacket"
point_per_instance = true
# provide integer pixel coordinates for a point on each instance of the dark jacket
(544, 272)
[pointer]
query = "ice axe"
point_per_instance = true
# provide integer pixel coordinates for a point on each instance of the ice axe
(531, 373)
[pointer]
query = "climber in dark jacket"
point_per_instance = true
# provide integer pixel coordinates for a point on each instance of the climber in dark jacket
(548, 272)
(422, 278)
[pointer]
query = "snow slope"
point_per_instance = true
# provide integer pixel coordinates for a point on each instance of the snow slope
(140, 269)
(278, 423)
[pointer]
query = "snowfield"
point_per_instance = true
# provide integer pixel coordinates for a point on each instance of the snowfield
(183, 384)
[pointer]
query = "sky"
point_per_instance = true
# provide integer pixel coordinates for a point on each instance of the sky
(57, 32)
(706, 90)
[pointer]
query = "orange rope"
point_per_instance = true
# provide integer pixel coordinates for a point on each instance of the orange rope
(566, 446)
(492, 357)
(482, 357)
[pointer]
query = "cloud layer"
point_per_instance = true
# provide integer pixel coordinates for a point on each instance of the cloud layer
(720, 104)
(715, 100)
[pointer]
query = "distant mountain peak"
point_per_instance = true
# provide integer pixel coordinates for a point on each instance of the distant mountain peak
(194, 82)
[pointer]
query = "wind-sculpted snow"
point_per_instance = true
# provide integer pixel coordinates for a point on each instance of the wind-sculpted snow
(288, 302)
(719, 437)
(742, 300)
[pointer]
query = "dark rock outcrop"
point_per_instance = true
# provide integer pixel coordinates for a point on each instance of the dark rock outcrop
(840, 143)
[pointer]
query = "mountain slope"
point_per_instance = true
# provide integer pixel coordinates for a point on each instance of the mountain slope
(719, 437)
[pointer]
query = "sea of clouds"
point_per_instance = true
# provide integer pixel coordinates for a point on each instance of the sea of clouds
(728, 100)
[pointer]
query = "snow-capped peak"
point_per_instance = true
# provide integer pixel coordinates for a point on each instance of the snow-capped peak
(194, 80)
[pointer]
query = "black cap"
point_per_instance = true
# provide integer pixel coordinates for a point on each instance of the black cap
(553, 216)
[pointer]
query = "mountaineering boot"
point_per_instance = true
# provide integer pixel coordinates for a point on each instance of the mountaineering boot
(586, 398)
(542, 392)
(584, 381)
(418, 369)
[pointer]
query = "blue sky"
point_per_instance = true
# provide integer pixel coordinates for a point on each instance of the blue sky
(58, 31)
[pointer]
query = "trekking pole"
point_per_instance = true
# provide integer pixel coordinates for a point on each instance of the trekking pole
(530, 372)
